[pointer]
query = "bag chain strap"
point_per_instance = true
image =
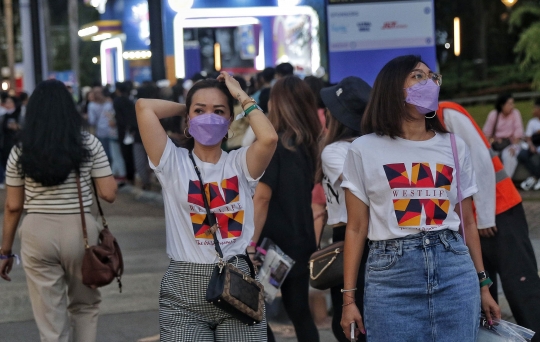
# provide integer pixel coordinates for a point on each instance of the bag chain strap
(456, 162)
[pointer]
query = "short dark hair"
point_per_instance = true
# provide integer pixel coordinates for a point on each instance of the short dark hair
(122, 88)
(285, 69)
(385, 111)
(268, 74)
(501, 100)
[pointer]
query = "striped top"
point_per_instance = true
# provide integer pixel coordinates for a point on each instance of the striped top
(62, 198)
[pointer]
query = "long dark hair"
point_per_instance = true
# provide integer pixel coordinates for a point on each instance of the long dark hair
(208, 83)
(336, 132)
(293, 114)
(385, 111)
(51, 140)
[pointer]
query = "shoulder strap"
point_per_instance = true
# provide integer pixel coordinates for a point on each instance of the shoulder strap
(495, 126)
(103, 221)
(211, 217)
(456, 163)
(83, 219)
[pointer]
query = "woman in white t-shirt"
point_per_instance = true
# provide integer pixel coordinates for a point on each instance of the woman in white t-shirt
(530, 156)
(345, 104)
(229, 183)
(422, 281)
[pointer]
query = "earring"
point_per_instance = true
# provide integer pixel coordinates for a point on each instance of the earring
(186, 134)
(431, 117)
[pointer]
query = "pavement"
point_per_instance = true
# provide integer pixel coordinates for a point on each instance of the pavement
(137, 221)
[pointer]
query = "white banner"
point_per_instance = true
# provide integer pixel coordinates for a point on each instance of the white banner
(371, 26)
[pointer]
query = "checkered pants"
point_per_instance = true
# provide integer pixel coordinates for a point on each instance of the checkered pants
(185, 315)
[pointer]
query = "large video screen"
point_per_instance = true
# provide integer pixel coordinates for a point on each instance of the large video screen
(364, 35)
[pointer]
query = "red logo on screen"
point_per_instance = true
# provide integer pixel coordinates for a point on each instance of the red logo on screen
(390, 25)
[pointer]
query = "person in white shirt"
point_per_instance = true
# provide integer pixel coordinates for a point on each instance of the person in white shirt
(401, 191)
(229, 183)
(530, 156)
(345, 104)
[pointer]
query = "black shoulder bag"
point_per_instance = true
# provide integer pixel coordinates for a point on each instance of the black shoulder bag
(230, 289)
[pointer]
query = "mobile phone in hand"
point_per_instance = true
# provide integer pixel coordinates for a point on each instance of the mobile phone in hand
(353, 328)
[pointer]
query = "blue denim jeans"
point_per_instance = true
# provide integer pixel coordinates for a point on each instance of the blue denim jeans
(421, 287)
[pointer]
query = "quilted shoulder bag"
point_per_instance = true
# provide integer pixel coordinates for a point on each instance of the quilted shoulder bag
(103, 262)
(230, 289)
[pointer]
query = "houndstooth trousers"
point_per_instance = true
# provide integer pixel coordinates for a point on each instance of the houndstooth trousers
(185, 315)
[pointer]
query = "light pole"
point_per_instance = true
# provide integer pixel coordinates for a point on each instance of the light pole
(8, 21)
(457, 47)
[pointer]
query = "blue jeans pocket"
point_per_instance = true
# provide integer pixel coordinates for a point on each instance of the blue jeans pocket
(379, 260)
(454, 243)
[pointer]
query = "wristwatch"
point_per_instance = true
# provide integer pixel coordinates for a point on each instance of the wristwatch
(482, 275)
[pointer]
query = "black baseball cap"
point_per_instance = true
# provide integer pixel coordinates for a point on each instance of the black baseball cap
(347, 100)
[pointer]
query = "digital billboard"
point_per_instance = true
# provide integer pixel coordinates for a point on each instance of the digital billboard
(364, 35)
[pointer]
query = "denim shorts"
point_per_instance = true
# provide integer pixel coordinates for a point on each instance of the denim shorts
(422, 287)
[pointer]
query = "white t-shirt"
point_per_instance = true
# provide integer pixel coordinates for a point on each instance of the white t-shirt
(533, 126)
(230, 188)
(409, 186)
(484, 199)
(333, 158)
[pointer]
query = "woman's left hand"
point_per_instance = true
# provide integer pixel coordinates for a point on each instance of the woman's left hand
(489, 306)
(234, 87)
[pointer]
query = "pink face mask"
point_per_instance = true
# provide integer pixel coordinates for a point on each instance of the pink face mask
(208, 129)
(425, 97)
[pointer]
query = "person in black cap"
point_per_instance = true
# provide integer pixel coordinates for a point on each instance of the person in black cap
(345, 104)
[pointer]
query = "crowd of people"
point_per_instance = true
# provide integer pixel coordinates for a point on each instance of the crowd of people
(280, 157)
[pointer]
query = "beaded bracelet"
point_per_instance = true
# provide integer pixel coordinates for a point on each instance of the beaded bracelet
(349, 290)
(486, 282)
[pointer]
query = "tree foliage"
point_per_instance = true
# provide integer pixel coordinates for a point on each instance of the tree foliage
(527, 18)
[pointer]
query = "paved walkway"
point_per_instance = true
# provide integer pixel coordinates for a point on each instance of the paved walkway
(133, 314)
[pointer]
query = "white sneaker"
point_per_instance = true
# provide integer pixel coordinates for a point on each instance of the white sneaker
(537, 185)
(528, 183)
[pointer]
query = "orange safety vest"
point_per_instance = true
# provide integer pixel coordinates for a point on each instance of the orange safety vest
(506, 192)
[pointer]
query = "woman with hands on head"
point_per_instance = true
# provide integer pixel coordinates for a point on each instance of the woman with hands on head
(229, 182)
(422, 282)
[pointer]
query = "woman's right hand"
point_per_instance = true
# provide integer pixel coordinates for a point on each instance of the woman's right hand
(352, 314)
(234, 87)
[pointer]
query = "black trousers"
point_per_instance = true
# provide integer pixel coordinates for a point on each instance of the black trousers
(510, 254)
(127, 154)
(338, 234)
(295, 296)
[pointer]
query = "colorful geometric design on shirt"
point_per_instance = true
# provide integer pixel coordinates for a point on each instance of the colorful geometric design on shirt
(408, 211)
(231, 190)
(200, 226)
(230, 224)
(421, 176)
(444, 177)
(194, 193)
(397, 176)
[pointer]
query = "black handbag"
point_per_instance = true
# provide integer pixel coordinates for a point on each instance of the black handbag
(326, 267)
(230, 289)
(498, 146)
(535, 139)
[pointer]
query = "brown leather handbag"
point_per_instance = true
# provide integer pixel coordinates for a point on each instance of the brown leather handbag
(230, 289)
(103, 262)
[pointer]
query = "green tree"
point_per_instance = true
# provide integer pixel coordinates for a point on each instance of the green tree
(527, 19)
